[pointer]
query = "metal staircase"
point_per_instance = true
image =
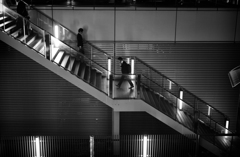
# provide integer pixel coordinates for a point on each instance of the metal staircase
(155, 93)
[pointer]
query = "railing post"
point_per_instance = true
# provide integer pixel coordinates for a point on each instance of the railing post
(110, 85)
(138, 85)
(24, 32)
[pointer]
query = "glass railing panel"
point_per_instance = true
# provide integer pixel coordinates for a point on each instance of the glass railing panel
(123, 92)
(41, 20)
(170, 97)
(160, 100)
(58, 46)
(68, 37)
(25, 31)
(220, 129)
(189, 98)
(185, 115)
(98, 56)
(204, 119)
(218, 117)
(171, 86)
(146, 70)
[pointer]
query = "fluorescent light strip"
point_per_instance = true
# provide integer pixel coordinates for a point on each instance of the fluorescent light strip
(37, 147)
(145, 146)
(170, 84)
(209, 110)
(56, 31)
(226, 126)
(132, 66)
(109, 67)
(180, 101)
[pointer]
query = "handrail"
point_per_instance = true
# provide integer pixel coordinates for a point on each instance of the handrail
(179, 86)
(57, 39)
(181, 100)
(65, 28)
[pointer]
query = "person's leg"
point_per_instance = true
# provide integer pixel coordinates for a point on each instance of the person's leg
(130, 82)
(121, 81)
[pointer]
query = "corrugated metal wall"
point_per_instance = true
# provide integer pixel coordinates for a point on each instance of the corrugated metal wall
(127, 145)
(35, 101)
(201, 68)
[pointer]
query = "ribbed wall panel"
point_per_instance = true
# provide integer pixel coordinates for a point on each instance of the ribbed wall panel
(35, 101)
(142, 123)
(201, 68)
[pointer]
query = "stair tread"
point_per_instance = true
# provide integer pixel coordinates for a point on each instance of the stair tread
(65, 61)
(59, 56)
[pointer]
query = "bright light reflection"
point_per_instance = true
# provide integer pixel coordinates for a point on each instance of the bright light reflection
(145, 146)
(132, 66)
(37, 146)
(109, 67)
(91, 146)
(180, 101)
(170, 84)
(56, 31)
(209, 110)
(227, 125)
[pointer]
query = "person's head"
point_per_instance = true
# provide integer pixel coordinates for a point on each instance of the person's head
(120, 59)
(80, 30)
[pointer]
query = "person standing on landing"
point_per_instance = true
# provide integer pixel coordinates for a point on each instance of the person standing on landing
(125, 72)
(80, 40)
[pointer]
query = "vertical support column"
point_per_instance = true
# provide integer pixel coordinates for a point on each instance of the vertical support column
(116, 132)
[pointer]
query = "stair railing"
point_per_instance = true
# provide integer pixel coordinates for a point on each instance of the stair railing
(207, 113)
(44, 43)
(99, 56)
(67, 36)
(150, 77)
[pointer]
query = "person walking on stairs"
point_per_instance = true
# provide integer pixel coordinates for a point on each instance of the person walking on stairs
(126, 70)
(80, 41)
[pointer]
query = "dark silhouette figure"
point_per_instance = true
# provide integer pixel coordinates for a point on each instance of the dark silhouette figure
(22, 10)
(125, 73)
(80, 40)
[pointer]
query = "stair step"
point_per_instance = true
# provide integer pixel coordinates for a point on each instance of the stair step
(2, 18)
(87, 73)
(5, 23)
(71, 62)
(76, 67)
(93, 77)
(65, 61)
(59, 57)
(37, 44)
(98, 80)
(10, 28)
(15, 33)
(82, 70)
(23, 37)
(31, 40)
(104, 84)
